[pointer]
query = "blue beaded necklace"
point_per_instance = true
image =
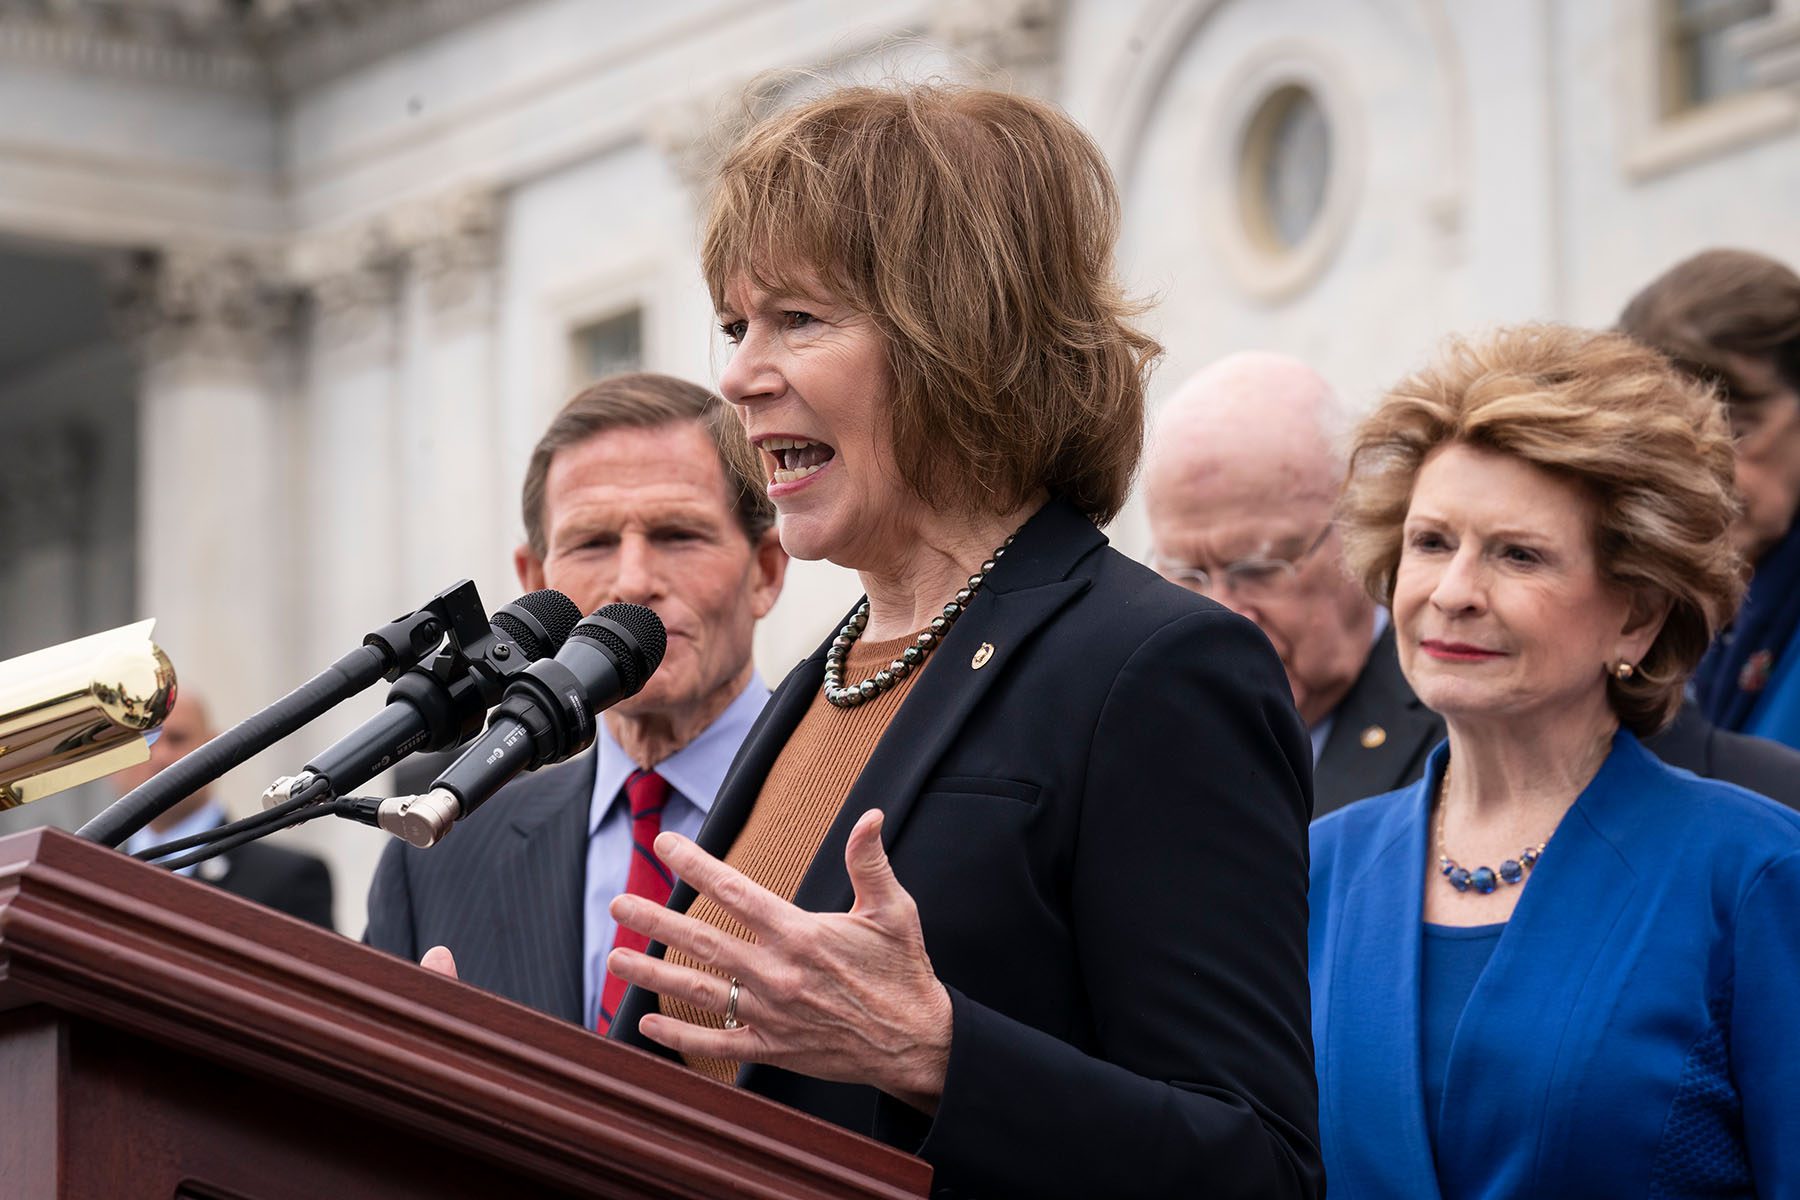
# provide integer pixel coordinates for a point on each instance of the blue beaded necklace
(1481, 879)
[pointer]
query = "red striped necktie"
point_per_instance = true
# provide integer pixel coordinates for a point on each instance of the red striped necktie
(648, 794)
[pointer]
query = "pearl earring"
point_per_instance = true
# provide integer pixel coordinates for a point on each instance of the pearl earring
(1624, 670)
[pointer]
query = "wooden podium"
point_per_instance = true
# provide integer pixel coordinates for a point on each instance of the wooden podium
(162, 1039)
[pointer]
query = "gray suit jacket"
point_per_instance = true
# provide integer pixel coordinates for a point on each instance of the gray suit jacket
(504, 890)
(1383, 732)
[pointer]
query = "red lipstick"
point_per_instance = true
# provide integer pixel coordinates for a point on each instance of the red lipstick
(1458, 651)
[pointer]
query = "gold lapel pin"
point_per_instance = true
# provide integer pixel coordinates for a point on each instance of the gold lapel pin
(981, 656)
(1373, 736)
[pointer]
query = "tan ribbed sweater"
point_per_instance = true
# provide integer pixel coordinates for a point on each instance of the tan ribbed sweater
(802, 796)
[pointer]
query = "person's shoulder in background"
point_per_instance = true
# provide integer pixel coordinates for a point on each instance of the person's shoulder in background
(289, 881)
(1695, 744)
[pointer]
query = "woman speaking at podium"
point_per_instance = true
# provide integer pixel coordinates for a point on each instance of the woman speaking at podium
(1011, 873)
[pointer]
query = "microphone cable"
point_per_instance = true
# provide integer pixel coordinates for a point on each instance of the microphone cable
(258, 826)
(318, 791)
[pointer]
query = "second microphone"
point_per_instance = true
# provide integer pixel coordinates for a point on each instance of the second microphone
(546, 716)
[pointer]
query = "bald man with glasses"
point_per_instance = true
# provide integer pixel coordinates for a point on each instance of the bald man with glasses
(1244, 470)
(1245, 467)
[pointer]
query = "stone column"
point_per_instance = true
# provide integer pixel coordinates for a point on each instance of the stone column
(352, 485)
(216, 510)
(354, 491)
(454, 519)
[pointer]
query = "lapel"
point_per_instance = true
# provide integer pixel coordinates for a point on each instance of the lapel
(1020, 596)
(1029, 586)
(1381, 699)
(1026, 590)
(540, 890)
(927, 724)
(1371, 1043)
(1516, 1022)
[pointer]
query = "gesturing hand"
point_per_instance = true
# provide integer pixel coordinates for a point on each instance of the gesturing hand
(849, 997)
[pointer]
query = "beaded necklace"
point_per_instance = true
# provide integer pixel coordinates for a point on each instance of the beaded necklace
(1481, 879)
(911, 658)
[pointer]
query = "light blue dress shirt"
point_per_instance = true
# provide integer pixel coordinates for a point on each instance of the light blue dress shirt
(205, 817)
(694, 773)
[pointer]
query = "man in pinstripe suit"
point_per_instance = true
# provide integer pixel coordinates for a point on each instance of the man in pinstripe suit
(630, 496)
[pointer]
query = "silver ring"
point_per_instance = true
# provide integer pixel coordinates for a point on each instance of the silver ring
(731, 1021)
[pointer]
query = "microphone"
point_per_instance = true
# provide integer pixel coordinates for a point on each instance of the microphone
(386, 653)
(440, 705)
(547, 715)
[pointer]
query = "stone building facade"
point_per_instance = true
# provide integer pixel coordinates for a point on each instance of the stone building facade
(289, 287)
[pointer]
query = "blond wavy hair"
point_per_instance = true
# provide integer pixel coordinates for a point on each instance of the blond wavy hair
(1650, 444)
(976, 229)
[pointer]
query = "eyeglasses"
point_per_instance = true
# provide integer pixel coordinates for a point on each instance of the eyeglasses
(1247, 578)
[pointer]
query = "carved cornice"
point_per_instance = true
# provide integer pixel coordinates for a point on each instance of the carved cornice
(695, 132)
(236, 302)
(688, 135)
(84, 45)
(351, 276)
(325, 48)
(452, 243)
(354, 275)
(216, 302)
(1009, 43)
(257, 45)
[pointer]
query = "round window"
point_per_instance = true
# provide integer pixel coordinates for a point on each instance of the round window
(1285, 169)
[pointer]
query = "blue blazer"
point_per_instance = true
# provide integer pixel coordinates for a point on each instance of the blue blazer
(1634, 1034)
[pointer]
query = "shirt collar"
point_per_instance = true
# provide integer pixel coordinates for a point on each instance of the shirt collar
(695, 771)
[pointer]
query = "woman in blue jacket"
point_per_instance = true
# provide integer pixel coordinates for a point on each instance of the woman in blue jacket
(1554, 966)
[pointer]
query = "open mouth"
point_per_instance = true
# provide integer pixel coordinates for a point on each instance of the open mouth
(795, 458)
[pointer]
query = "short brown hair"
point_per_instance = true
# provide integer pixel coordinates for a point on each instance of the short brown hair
(1719, 303)
(642, 400)
(976, 228)
(1649, 444)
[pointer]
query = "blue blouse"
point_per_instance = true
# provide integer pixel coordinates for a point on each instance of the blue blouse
(1633, 1033)
(1451, 959)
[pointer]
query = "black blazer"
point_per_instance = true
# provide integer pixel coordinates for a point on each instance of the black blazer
(1382, 733)
(504, 890)
(1696, 744)
(288, 881)
(1104, 827)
